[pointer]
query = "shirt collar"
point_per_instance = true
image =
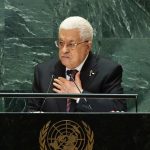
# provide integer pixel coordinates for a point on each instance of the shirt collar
(77, 68)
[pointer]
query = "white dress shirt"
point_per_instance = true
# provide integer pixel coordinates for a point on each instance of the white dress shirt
(78, 68)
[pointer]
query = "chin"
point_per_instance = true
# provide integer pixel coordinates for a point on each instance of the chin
(65, 64)
(68, 65)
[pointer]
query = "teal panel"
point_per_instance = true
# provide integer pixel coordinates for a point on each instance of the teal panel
(21, 55)
(1, 49)
(144, 4)
(126, 18)
(1, 39)
(121, 32)
(133, 55)
(41, 18)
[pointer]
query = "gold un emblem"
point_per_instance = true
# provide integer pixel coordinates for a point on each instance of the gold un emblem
(66, 135)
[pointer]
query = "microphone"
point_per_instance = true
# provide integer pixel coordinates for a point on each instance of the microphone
(50, 83)
(70, 75)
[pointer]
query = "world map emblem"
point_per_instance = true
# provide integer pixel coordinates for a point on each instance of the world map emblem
(66, 135)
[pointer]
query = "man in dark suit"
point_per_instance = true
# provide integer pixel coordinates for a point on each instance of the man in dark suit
(94, 74)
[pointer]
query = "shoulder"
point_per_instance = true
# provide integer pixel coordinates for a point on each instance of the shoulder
(47, 65)
(108, 65)
(105, 62)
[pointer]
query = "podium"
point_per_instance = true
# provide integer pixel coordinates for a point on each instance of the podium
(46, 131)
(73, 131)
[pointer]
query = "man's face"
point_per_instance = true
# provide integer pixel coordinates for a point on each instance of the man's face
(71, 53)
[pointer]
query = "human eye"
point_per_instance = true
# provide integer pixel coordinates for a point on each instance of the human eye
(71, 45)
(61, 43)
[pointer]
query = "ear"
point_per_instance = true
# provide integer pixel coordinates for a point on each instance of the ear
(89, 43)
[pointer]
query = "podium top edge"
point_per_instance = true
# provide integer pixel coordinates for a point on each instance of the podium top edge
(56, 95)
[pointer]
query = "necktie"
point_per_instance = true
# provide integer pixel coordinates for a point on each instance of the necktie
(72, 74)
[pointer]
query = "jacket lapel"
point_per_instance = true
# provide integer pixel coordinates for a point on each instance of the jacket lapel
(59, 71)
(88, 71)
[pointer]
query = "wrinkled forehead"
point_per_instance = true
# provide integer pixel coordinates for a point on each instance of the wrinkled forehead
(69, 35)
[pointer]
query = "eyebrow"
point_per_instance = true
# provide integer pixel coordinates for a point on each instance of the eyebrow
(68, 42)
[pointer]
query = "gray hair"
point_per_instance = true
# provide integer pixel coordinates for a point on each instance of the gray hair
(76, 22)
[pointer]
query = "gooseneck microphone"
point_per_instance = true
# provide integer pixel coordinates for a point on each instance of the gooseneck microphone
(50, 83)
(71, 77)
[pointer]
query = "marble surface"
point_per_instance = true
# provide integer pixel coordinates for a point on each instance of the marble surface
(28, 31)
(126, 18)
(133, 55)
(1, 48)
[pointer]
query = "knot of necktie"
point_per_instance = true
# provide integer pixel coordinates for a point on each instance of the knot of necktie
(72, 73)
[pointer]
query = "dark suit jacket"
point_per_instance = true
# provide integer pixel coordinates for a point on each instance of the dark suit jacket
(107, 78)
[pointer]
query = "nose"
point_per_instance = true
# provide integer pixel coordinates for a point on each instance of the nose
(65, 49)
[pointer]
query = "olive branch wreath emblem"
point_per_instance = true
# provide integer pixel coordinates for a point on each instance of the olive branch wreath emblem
(42, 137)
(90, 136)
(44, 131)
